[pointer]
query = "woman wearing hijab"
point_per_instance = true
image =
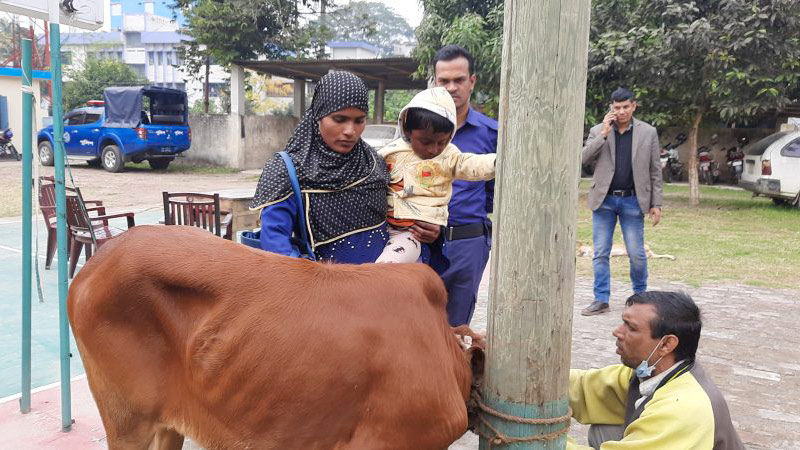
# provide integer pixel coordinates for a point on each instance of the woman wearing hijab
(342, 179)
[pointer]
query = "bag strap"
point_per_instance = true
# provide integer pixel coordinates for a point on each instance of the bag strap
(299, 198)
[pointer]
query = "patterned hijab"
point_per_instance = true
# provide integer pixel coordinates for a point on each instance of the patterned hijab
(343, 193)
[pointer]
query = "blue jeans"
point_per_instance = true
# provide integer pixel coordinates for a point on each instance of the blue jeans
(631, 221)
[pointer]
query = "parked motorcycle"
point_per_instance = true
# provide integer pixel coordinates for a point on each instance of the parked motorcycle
(7, 148)
(709, 168)
(671, 166)
(735, 160)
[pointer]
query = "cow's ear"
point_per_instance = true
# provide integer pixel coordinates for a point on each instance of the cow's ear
(477, 359)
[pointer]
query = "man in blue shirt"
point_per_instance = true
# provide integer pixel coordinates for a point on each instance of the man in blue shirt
(468, 232)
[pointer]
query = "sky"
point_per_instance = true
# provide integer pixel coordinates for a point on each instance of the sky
(411, 10)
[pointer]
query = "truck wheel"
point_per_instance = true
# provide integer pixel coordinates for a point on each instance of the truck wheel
(159, 163)
(46, 153)
(112, 159)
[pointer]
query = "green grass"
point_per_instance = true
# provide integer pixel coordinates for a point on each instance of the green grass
(185, 168)
(729, 237)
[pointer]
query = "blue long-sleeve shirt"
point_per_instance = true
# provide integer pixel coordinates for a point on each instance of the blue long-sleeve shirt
(472, 200)
(279, 221)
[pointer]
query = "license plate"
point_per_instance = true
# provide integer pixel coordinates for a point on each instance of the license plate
(737, 163)
(166, 149)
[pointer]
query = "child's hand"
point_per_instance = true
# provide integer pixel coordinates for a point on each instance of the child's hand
(424, 232)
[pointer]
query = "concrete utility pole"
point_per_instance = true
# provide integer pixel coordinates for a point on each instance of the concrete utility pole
(542, 99)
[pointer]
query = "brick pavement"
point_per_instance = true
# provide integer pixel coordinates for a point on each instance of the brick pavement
(750, 347)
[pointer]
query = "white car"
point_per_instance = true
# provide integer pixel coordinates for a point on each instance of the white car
(379, 135)
(772, 167)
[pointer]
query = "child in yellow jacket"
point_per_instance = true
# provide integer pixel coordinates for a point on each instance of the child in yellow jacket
(423, 165)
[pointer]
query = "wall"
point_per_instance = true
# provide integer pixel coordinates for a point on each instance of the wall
(11, 87)
(217, 139)
(264, 136)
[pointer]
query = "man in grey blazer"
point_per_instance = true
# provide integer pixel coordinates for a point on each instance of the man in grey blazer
(626, 185)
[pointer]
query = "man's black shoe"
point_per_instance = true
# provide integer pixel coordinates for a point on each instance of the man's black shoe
(595, 308)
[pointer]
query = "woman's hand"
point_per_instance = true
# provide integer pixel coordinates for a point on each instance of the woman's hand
(425, 232)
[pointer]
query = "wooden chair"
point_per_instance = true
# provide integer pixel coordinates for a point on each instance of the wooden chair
(89, 231)
(198, 210)
(47, 205)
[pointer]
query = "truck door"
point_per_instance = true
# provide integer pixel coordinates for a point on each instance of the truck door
(787, 167)
(88, 133)
(71, 131)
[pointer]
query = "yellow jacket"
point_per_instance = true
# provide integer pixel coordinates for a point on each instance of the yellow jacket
(687, 412)
(420, 189)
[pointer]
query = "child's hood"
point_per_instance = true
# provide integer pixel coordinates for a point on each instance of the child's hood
(436, 100)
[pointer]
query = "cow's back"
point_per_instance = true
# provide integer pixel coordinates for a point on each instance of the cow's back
(237, 347)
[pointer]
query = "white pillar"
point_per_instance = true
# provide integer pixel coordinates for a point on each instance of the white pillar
(299, 98)
(237, 90)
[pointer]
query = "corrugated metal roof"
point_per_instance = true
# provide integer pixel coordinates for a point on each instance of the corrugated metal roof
(394, 72)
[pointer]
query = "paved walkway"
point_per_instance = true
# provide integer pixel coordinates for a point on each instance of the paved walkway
(750, 347)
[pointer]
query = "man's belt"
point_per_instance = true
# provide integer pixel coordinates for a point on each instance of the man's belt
(472, 230)
(622, 193)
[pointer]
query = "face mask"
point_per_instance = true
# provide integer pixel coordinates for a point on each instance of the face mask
(644, 370)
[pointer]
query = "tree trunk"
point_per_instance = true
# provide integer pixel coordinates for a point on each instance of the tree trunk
(205, 86)
(542, 102)
(694, 189)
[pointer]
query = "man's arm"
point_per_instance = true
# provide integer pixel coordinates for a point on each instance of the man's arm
(656, 196)
(591, 149)
(655, 171)
(665, 423)
(599, 395)
(596, 139)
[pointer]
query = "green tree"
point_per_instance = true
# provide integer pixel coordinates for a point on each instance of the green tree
(476, 25)
(692, 60)
(237, 29)
(369, 22)
(88, 82)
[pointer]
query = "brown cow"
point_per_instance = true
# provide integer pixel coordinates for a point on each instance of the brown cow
(186, 334)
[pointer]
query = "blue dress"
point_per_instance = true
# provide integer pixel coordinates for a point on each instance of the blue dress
(279, 221)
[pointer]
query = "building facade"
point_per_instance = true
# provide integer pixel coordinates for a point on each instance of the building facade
(147, 42)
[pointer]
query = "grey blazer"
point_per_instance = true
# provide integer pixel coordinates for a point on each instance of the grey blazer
(646, 165)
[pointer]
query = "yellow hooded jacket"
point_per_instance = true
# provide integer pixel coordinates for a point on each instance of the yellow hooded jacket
(420, 189)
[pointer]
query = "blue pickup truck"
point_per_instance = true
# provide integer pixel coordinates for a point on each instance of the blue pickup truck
(133, 124)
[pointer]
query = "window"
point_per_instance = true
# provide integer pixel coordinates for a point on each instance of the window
(66, 58)
(151, 58)
(74, 119)
(91, 118)
(760, 147)
(792, 149)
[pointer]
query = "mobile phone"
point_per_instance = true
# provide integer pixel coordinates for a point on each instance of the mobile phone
(611, 110)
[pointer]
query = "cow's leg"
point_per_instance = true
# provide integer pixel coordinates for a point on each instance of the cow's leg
(134, 437)
(167, 439)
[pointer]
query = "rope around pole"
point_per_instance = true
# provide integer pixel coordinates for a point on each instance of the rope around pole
(497, 437)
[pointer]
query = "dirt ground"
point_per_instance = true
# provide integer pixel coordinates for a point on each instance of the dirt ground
(134, 187)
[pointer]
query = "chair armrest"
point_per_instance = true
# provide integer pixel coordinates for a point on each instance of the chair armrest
(93, 202)
(226, 219)
(128, 215)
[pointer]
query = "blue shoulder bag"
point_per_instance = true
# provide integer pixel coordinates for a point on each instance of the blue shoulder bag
(299, 243)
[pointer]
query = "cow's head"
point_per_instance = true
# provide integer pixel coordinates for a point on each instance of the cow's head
(474, 346)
